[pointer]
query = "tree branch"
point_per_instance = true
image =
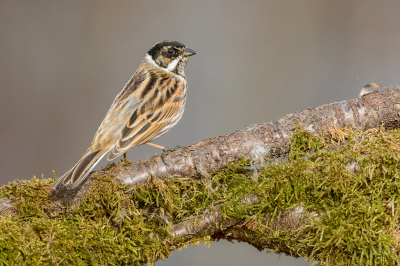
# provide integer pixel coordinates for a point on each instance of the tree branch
(375, 106)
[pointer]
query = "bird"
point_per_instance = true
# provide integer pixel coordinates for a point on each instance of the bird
(149, 105)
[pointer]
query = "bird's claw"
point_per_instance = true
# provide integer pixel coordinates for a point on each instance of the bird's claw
(167, 151)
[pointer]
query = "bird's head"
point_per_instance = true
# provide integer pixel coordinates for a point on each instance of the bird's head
(170, 56)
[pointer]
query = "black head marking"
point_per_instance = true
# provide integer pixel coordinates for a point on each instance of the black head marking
(163, 47)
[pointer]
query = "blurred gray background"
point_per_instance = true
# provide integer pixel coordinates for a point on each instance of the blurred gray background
(63, 62)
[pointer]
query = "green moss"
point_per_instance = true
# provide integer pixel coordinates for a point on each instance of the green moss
(355, 222)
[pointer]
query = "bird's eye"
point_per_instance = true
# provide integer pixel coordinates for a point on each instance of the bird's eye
(171, 51)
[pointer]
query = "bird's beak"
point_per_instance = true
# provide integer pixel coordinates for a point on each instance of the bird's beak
(189, 52)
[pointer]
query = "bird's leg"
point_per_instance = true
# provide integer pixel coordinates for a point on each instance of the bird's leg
(125, 156)
(157, 146)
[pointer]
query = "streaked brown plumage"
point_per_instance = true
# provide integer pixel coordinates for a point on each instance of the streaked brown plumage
(150, 104)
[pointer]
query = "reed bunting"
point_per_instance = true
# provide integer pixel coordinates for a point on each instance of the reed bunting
(149, 105)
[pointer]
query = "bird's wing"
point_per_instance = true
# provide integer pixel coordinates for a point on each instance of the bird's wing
(144, 127)
(159, 110)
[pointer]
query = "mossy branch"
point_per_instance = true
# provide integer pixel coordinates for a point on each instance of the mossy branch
(333, 198)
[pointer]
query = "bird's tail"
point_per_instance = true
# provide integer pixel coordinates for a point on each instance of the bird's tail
(80, 171)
